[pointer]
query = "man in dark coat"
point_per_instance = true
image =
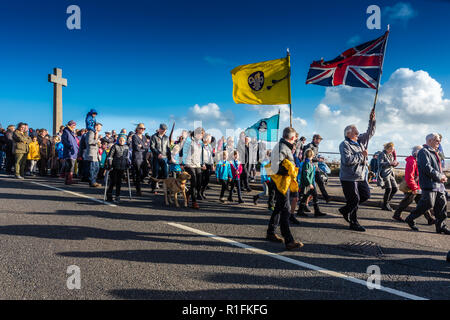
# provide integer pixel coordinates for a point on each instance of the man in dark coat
(160, 147)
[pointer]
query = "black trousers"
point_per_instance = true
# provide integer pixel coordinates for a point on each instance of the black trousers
(321, 185)
(43, 166)
(281, 214)
(224, 184)
(236, 184)
(305, 196)
(206, 175)
(389, 194)
(69, 166)
(10, 161)
(196, 182)
(115, 177)
(355, 192)
(245, 176)
(139, 166)
(431, 200)
(271, 200)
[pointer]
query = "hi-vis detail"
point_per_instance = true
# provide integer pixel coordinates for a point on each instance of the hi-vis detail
(262, 83)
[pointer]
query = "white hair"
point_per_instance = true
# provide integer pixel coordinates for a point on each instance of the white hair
(431, 137)
(415, 149)
(348, 129)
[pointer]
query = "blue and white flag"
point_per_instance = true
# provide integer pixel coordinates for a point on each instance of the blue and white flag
(265, 129)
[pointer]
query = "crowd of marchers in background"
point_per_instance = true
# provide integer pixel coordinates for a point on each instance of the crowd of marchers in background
(290, 173)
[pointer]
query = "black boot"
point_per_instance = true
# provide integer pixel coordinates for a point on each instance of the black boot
(355, 226)
(109, 197)
(411, 223)
(317, 212)
(397, 216)
(301, 210)
(230, 198)
(255, 199)
(307, 209)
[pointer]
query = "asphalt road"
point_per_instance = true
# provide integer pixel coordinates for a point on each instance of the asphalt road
(144, 250)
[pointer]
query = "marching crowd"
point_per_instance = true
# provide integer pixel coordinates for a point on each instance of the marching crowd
(290, 173)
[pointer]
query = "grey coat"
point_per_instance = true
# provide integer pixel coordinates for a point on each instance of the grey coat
(91, 152)
(353, 163)
(160, 146)
(430, 172)
(385, 167)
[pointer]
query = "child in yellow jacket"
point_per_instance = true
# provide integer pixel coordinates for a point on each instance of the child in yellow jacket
(33, 155)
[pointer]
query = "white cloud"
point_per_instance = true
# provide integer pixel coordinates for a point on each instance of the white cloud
(410, 105)
(269, 111)
(401, 11)
(209, 116)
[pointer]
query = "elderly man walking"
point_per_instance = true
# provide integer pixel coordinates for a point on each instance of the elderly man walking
(160, 148)
(431, 180)
(353, 171)
(284, 176)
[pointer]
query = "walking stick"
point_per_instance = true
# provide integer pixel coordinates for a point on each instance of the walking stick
(106, 184)
(129, 186)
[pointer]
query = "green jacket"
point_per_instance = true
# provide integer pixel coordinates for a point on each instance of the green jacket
(21, 142)
(307, 176)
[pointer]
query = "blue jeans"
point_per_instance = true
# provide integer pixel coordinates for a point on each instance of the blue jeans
(94, 167)
(160, 164)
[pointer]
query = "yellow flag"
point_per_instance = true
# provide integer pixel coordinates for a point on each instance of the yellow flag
(262, 83)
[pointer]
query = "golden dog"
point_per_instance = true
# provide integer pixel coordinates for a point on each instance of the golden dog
(175, 186)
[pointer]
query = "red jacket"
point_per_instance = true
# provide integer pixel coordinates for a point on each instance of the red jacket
(412, 173)
(236, 171)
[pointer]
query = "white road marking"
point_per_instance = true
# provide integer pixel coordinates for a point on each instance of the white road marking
(295, 262)
(75, 194)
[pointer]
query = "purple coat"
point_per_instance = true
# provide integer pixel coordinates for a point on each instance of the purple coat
(70, 143)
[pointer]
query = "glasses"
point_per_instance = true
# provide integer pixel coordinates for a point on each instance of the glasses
(141, 128)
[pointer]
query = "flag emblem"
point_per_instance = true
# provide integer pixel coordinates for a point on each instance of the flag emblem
(262, 83)
(256, 80)
(262, 126)
(360, 66)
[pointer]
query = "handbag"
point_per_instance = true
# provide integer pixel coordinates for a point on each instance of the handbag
(403, 187)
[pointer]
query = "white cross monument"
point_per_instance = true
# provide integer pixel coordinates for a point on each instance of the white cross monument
(58, 81)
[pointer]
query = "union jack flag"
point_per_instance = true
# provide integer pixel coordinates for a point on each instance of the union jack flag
(360, 66)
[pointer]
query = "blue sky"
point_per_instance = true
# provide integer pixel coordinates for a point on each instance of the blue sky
(150, 60)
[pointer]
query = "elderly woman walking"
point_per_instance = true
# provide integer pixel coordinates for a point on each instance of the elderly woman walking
(353, 171)
(386, 165)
